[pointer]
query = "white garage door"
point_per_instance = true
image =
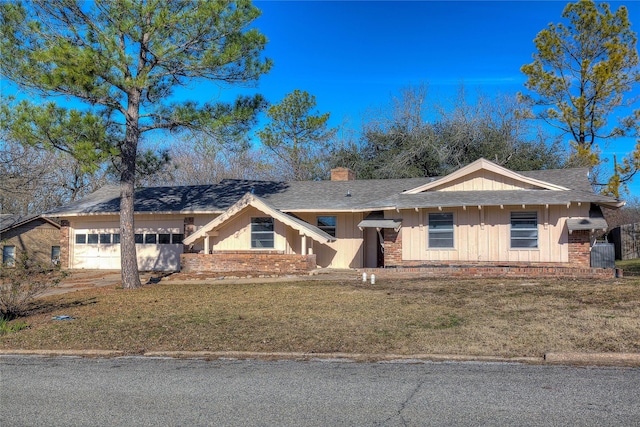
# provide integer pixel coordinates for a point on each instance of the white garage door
(101, 251)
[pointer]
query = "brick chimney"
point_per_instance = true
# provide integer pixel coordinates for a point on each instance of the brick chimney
(342, 174)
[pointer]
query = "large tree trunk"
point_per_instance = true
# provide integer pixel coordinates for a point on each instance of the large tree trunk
(128, 256)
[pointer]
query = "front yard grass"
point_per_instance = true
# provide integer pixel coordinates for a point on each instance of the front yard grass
(490, 317)
(630, 267)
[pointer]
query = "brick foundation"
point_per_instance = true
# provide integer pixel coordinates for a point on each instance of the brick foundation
(392, 248)
(497, 270)
(255, 262)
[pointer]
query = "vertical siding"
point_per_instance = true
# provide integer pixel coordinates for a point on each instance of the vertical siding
(236, 233)
(348, 250)
(491, 242)
(483, 180)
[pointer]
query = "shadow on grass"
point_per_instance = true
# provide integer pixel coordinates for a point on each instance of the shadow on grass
(47, 307)
(157, 277)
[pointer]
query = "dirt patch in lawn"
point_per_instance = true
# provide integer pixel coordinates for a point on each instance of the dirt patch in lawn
(508, 318)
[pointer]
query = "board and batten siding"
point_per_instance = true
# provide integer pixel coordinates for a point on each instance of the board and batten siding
(475, 242)
(235, 234)
(347, 251)
(483, 180)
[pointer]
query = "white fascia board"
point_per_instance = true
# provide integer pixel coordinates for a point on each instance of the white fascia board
(490, 166)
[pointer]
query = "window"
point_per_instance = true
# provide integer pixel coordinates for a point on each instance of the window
(139, 238)
(262, 232)
(81, 239)
(177, 238)
(524, 230)
(105, 238)
(115, 239)
(150, 239)
(164, 239)
(55, 255)
(9, 256)
(441, 230)
(92, 239)
(327, 224)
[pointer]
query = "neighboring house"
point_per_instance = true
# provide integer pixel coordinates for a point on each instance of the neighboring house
(626, 241)
(36, 235)
(482, 214)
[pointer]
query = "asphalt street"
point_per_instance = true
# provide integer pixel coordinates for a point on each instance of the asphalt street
(139, 391)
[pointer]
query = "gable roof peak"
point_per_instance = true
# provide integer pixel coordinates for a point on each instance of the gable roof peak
(484, 164)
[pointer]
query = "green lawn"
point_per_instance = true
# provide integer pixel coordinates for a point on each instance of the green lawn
(631, 267)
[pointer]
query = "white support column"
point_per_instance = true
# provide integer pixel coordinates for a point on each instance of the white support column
(304, 244)
(206, 243)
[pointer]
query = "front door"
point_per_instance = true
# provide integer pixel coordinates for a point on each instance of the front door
(380, 248)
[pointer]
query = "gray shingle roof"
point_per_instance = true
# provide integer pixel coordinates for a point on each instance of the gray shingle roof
(489, 198)
(8, 221)
(358, 195)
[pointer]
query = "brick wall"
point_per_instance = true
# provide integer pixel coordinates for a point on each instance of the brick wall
(64, 243)
(392, 248)
(254, 262)
(36, 238)
(342, 174)
(486, 270)
(579, 248)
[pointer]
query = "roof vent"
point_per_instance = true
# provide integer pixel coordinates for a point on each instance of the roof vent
(342, 174)
(348, 193)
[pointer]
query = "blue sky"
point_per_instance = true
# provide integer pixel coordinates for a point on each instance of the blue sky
(353, 56)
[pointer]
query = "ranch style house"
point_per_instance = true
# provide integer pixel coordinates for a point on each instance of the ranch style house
(480, 216)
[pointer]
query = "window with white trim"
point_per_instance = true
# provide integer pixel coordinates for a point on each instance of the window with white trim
(524, 230)
(441, 230)
(262, 232)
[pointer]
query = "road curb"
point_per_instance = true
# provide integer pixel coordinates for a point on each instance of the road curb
(53, 353)
(355, 357)
(568, 358)
(606, 359)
